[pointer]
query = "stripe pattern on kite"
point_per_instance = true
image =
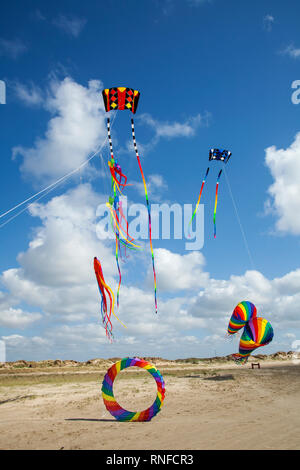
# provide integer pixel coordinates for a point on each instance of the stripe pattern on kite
(258, 332)
(242, 313)
(121, 98)
(109, 400)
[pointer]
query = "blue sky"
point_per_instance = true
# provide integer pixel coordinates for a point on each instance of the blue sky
(211, 74)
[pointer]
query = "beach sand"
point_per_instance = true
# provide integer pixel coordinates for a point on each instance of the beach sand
(208, 405)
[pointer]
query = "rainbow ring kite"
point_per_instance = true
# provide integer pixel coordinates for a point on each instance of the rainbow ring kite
(109, 400)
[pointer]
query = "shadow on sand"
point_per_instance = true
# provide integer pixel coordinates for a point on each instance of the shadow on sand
(220, 378)
(93, 419)
(20, 397)
(216, 378)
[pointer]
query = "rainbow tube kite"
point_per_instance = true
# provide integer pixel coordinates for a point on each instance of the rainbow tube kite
(109, 400)
(242, 313)
(258, 332)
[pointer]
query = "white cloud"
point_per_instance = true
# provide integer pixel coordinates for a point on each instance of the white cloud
(17, 318)
(56, 277)
(169, 130)
(76, 128)
(284, 165)
(70, 24)
(292, 51)
(175, 129)
(277, 300)
(56, 272)
(31, 94)
(156, 186)
(268, 22)
(12, 47)
(177, 272)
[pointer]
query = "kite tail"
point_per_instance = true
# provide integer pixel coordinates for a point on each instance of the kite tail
(148, 207)
(109, 138)
(199, 198)
(216, 202)
(119, 228)
(102, 288)
(120, 275)
(106, 317)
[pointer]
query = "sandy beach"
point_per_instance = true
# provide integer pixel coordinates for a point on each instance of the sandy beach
(208, 405)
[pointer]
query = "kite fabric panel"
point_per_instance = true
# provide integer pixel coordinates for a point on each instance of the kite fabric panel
(219, 154)
(121, 98)
(242, 313)
(258, 332)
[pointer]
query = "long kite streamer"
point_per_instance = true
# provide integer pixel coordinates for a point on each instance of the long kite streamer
(200, 194)
(119, 182)
(114, 183)
(105, 311)
(104, 289)
(216, 202)
(148, 207)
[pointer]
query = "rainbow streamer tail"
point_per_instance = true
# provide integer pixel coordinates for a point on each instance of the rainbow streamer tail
(148, 207)
(120, 275)
(216, 202)
(200, 194)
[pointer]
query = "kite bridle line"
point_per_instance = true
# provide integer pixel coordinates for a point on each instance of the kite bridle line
(239, 221)
(52, 186)
(148, 207)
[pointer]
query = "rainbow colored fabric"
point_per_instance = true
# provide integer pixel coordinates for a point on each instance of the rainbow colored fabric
(257, 332)
(242, 313)
(109, 400)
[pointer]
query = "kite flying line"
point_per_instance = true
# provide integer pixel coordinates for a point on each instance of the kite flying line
(239, 220)
(52, 185)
